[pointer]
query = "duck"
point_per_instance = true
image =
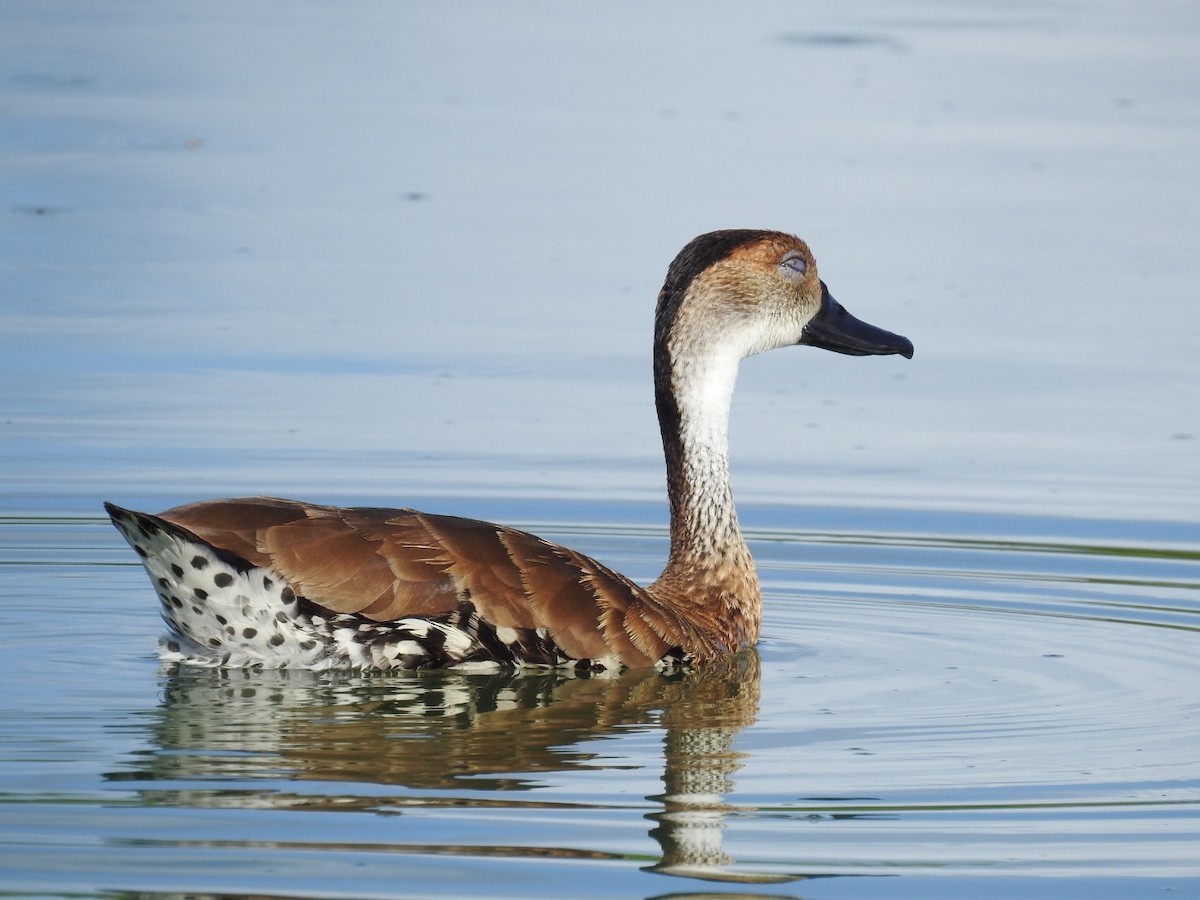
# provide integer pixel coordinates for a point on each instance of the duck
(272, 583)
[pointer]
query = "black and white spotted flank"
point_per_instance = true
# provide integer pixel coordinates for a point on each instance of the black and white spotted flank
(223, 611)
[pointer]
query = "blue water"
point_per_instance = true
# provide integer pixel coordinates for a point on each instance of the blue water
(393, 254)
(946, 708)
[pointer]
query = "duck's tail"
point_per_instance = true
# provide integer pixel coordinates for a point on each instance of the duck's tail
(220, 609)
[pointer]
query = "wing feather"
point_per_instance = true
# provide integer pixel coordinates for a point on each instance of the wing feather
(390, 563)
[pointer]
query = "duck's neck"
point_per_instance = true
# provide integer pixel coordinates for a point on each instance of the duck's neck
(709, 567)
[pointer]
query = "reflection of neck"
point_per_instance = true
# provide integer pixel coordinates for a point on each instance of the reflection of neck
(691, 824)
(702, 722)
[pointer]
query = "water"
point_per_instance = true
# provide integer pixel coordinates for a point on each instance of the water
(946, 708)
(392, 254)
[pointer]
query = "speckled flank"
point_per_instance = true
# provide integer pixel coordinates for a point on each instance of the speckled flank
(219, 613)
(223, 611)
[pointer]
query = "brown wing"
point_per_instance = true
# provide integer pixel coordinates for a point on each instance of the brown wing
(389, 563)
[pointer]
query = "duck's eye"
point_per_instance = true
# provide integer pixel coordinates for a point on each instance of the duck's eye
(794, 265)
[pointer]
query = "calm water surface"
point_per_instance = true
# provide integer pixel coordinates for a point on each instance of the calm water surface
(942, 707)
(394, 254)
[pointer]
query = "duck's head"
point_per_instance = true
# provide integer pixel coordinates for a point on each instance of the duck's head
(745, 291)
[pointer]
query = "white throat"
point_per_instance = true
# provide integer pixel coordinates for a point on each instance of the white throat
(704, 393)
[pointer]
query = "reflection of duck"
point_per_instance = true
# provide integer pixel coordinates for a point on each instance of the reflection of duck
(276, 582)
(465, 734)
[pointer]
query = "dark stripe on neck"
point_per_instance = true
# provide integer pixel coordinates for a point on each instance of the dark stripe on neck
(694, 258)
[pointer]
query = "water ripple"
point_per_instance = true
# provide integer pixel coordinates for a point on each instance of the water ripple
(919, 704)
